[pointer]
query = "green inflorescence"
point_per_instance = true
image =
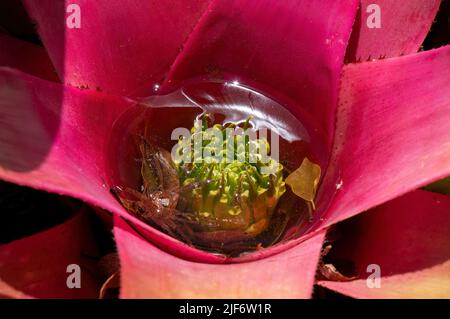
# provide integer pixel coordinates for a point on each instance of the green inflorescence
(240, 187)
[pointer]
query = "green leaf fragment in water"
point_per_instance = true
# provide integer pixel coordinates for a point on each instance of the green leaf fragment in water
(304, 181)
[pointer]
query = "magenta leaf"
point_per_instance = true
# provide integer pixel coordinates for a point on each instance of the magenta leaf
(408, 239)
(120, 49)
(148, 272)
(399, 28)
(392, 132)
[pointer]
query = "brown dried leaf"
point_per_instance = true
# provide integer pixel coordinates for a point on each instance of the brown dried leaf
(113, 282)
(158, 170)
(329, 272)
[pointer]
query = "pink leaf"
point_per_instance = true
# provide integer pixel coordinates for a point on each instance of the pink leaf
(402, 29)
(120, 49)
(147, 272)
(408, 239)
(392, 132)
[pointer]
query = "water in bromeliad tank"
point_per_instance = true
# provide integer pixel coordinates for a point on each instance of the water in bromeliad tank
(156, 117)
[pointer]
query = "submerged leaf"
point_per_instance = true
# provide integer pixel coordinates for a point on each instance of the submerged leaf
(158, 171)
(329, 272)
(304, 181)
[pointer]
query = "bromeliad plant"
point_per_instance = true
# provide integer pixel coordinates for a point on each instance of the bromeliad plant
(383, 118)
